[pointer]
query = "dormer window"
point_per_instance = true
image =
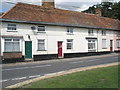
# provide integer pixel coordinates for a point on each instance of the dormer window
(41, 28)
(69, 30)
(11, 27)
(90, 31)
(103, 32)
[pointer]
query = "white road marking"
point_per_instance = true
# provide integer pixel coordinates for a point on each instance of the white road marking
(115, 57)
(49, 74)
(26, 67)
(3, 80)
(34, 76)
(85, 61)
(19, 78)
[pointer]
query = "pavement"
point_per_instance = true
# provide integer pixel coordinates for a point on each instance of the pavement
(20, 72)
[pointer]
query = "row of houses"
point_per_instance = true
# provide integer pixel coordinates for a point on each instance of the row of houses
(45, 32)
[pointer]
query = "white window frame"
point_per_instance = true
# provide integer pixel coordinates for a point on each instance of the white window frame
(118, 33)
(42, 29)
(118, 43)
(69, 30)
(93, 45)
(13, 42)
(104, 44)
(69, 42)
(90, 32)
(103, 32)
(11, 27)
(38, 42)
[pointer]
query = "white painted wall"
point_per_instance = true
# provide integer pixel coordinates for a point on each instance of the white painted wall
(53, 35)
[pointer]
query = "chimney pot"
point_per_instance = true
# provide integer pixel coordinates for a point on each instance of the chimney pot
(98, 12)
(48, 3)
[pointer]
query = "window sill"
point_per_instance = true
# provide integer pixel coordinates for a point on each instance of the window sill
(91, 34)
(104, 48)
(41, 32)
(70, 34)
(41, 50)
(12, 31)
(14, 52)
(103, 35)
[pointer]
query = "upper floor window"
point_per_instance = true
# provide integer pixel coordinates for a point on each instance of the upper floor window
(118, 33)
(103, 32)
(70, 30)
(11, 27)
(69, 43)
(90, 31)
(12, 45)
(41, 28)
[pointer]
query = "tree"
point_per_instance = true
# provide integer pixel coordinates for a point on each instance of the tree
(109, 9)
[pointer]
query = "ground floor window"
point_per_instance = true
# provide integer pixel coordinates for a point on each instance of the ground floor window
(41, 45)
(69, 43)
(12, 45)
(91, 45)
(118, 43)
(104, 43)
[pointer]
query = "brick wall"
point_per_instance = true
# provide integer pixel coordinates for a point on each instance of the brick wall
(10, 55)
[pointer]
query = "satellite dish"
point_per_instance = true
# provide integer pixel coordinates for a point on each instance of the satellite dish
(33, 28)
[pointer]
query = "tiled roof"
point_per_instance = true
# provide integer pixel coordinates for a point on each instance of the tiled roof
(34, 13)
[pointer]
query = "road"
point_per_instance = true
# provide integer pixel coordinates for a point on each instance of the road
(17, 73)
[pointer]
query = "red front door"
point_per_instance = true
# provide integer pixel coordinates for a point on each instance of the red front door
(111, 45)
(60, 49)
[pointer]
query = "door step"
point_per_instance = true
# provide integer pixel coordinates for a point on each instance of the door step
(28, 59)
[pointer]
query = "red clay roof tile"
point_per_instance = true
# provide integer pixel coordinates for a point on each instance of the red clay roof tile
(34, 13)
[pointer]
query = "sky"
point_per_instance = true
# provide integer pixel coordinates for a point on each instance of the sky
(75, 5)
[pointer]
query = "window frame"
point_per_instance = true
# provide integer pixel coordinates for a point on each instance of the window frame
(38, 49)
(93, 44)
(13, 42)
(42, 29)
(11, 27)
(69, 43)
(70, 30)
(103, 32)
(118, 33)
(90, 32)
(118, 43)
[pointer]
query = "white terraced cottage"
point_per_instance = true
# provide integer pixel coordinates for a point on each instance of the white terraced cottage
(45, 32)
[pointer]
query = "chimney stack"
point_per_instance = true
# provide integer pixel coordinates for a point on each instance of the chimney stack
(48, 3)
(98, 12)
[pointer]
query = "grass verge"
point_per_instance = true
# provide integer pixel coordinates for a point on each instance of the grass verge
(96, 78)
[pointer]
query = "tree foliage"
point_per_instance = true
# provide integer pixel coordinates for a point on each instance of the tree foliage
(109, 9)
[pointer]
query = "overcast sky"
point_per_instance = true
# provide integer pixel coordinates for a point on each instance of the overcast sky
(77, 5)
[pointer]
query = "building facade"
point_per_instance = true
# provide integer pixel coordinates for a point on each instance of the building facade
(26, 38)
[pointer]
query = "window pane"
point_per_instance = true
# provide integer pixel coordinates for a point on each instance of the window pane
(11, 27)
(41, 44)
(8, 46)
(104, 43)
(16, 46)
(41, 28)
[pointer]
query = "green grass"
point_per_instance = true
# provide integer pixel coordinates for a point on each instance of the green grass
(96, 78)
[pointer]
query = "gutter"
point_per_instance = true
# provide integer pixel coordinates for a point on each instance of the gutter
(55, 24)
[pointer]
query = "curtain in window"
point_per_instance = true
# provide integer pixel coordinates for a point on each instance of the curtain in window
(41, 45)
(104, 43)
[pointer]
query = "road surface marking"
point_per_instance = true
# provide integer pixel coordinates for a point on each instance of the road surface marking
(19, 78)
(34, 76)
(85, 61)
(49, 74)
(3, 80)
(26, 67)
